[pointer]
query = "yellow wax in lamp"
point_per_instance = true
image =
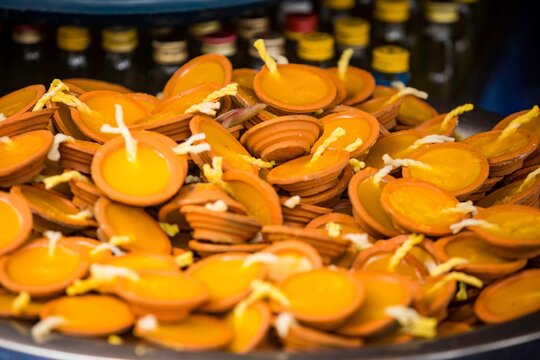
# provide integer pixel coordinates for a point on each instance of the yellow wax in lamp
(291, 257)
(179, 103)
(244, 77)
(454, 167)
(29, 311)
(304, 168)
(102, 106)
(90, 315)
(532, 125)
(42, 272)
(515, 222)
(382, 290)
(510, 298)
(15, 221)
(96, 85)
(474, 249)
(227, 278)
(21, 100)
(204, 69)
(338, 295)
(143, 231)
(23, 149)
(148, 101)
(381, 262)
(138, 261)
(397, 145)
(50, 203)
(511, 192)
(413, 111)
(250, 327)
(292, 87)
(357, 125)
(488, 145)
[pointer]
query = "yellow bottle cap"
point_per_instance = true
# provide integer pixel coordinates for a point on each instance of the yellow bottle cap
(390, 59)
(73, 38)
(392, 11)
(169, 52)
(351, 31)
(338, 4)
(316, 46)
(444, 13)
(204, 28)
(119, 40)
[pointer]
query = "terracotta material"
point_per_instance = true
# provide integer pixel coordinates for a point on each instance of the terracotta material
(86, 85)
(385, 113)
(359, 84)
(250, 327)
(15, 221)
(26, 122)
(293, 257)
(397, 145)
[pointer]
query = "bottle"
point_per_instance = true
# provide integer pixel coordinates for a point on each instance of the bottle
(353, 32)
(390, 63)
(287, 7)
(466, 39)
(390, 23)
(27, 62)
(120, 65)
(221, 42)
(275, 46)
(331, 10)
(73, 43)
(296, 26)
(316, 49)
(438, 59)
(168, 56)
(197, 31)
(145, 49)
(246, 28)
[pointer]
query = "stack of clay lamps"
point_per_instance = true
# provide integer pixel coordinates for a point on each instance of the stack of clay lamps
(297, 214)
(77, 155)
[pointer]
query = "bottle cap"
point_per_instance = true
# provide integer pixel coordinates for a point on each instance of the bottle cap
(392, 11)
(26, 34)
(72, 38)
(119, 39)
(338, 4)
(274, 42)
(204, 28)
(442, 13)
(316, 46)
(169, 52)
(248, 26)
(351, 31)
(390, 59)
(298, 24)
(221, 42)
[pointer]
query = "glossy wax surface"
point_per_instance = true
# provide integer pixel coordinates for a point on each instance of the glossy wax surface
(246, 327)
(203, 72)
(20, 149)
(490, 147)
(522, 225)
(515, 298)
(164, 286)
(48, 202)
(356, 127)
(16, 101)
(10, 223)
(302, 166)
(369, 195)
(475, 250)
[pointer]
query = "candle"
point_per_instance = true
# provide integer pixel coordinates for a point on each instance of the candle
(15, 221)
(87, 85)
(250, 327)
(20, 101)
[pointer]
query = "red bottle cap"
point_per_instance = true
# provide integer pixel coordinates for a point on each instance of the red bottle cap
(301, 23)
(220, 37)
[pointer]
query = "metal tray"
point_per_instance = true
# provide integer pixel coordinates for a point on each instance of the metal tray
(517, 339)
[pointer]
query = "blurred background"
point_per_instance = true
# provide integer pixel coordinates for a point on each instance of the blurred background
(480, 51)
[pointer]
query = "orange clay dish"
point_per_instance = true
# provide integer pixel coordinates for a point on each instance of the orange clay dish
(444, 124)
(154, 176)
(29, 312)
(87, 85)
(148, 101)
(20, 101)
(338, 292)
(432, 300)
(140, 261)
(420, 207)
(292, 88)
(398, 145)
(509, 298)
(15, 222)
(205, 69)
(23, 269)
(227, 278)
(102, 110)
(293, 257)
(481, 261)
(358, 83)
(178, 104)
(423, 251)
(357, 125)
(79, 315)
(143, 233)
(250, 327)
(454, 167)
(347, 224)
(244, 77)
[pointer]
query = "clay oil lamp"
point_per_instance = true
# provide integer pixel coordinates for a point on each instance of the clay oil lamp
(328, 247)
(297, 214)
(24, 269)
(215, 224)
(52, 211)
(361, 132)
(100, 109)
(194, 333)
(511, 230)
(292, 256)
(257, 196)
(246, 98)
(398, 145)
(509, 298)
(339, 293)
(77, 315)
(12, 307)
(423, 251)
(170, 296)
(77, 155)
(130, 228)
(89, 247)
(244, 77)
(480, 259)
(22, 157)
(359, 83)
(83, 85)
(521, 192)
(282, 138)
(20, 101)
(330, 197)
(444, 124)
(292, 88)
(62, 119)
(178, 104)
(434, 295)
(228, 279)
(26, 122)
(422, 207)
(140, 170)
(148, 101)
(204, 69)
(141, 261)
(382, 289)
(346, 223)
(454, 167)
(15, 222)
(85, 194)
(250, 327)
(222, 144)
(205, 248)
(365, 195)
